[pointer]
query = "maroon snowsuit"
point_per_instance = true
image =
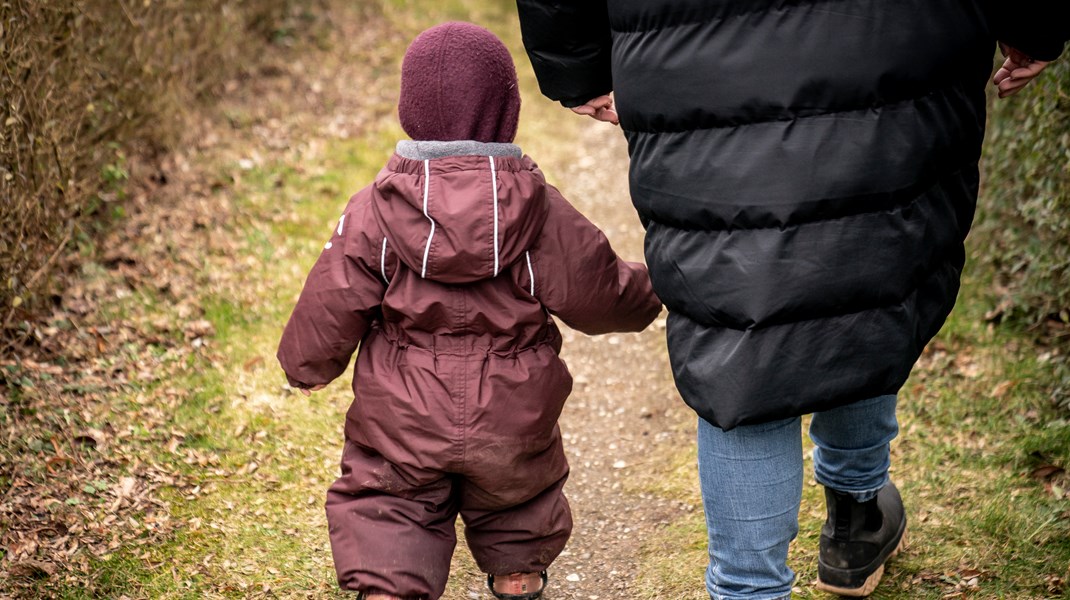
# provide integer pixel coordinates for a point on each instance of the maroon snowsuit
(446, 271)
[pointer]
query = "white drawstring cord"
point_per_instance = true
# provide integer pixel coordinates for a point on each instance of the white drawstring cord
(427, 187)
(494, 187)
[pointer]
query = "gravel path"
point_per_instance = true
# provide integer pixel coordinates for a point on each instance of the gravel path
(624, 421)
(624, 418)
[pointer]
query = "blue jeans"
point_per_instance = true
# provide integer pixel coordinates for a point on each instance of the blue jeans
(752, 477)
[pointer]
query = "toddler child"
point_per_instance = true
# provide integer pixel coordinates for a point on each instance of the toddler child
(445, 272)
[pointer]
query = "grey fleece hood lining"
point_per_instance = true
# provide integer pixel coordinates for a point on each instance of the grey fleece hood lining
(428, 150)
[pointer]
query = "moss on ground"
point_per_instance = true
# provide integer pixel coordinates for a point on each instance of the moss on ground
(977, 430)
(976, 425)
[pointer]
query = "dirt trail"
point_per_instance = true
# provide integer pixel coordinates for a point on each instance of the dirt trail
(624, 417)
(624, 412)
(208, 480)
(161, 456)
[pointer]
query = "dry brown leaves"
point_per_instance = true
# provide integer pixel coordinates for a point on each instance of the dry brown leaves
(1053, 477)
(84, 400)
(86, 396)
(964, 582)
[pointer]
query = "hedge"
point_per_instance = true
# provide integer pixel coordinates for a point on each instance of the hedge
(1023, 225)
(80, 81)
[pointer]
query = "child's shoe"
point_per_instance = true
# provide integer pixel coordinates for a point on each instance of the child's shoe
(516, 586)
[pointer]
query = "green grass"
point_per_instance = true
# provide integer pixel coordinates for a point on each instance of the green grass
(266, 530)
(963, 459)
(967, 447)
(254, 530)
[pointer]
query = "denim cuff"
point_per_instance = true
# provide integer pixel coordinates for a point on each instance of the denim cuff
(859, 495)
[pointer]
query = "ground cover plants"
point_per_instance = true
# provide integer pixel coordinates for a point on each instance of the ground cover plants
(149, 447)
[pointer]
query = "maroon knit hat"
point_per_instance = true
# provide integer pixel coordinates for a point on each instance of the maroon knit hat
(458, 82)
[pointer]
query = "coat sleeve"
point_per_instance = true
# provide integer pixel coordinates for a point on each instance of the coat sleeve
(568, 42)
(1039, 28)
(341, 298)
(580, 280)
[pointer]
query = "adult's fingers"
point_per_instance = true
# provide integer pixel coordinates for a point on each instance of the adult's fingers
(607, 115)
(1009, 87)
(592, 106)
(599, 109)
(1002, 73)
(1012, 77)
(1031, 70)
(1007, 70)
(605, 101)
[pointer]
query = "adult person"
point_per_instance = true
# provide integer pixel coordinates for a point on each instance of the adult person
(806, 173)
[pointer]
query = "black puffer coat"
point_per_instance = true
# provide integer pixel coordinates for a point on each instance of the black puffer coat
(806, 171)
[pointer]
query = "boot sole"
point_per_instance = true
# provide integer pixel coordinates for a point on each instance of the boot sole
(871, 582)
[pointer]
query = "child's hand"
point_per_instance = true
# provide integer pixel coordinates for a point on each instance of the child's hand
(1017, 71)
(308, 391)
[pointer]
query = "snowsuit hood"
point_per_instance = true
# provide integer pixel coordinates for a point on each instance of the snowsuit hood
(464, 216)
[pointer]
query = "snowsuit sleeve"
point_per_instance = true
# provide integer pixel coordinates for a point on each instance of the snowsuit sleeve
(580, 280)
(569, 46)
(340, 299)
(1039, 28)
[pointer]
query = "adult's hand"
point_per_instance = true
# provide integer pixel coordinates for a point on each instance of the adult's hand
(600, 109)
(308, 392)
(1017, 71)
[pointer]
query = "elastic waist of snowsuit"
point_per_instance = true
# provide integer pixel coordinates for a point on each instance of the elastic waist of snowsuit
(469, 345)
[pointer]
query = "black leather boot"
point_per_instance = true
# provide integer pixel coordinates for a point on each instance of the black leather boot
(857, 539)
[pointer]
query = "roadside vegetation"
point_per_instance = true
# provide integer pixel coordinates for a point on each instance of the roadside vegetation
(980, 462)
(150, 449)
